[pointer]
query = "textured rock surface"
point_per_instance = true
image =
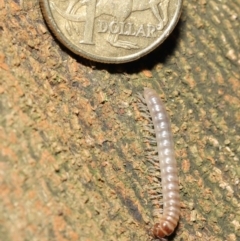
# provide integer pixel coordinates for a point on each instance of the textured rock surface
(71, 151)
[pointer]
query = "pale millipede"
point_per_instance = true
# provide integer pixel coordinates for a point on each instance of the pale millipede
(157, 113)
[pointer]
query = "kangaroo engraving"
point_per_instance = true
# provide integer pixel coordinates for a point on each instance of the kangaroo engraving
(120, 10)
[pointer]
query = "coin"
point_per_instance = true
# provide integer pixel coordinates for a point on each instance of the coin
(111, 31)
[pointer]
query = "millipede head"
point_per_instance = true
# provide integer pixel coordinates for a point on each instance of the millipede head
(161, 230)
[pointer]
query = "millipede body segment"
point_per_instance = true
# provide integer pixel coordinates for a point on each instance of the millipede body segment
(168, 166)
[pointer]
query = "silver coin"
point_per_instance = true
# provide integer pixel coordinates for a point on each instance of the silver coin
(111, 31)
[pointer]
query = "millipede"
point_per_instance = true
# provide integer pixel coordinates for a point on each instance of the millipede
(163, 159)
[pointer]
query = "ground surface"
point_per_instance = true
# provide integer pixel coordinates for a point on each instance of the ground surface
(71, 151)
